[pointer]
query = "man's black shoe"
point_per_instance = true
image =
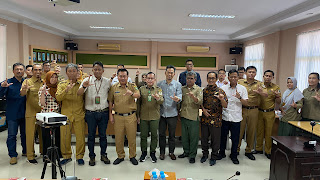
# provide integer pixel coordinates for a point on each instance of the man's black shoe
(134, 161)
(182, 155)
(212, 162)
(235, 160)
(192, 160)
(203, 159)
(92, 161)
(143, 156)
(250, 156)
(268, 155)
(117, 161)
(221, 156)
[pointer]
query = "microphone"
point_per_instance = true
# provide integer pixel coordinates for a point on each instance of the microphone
(311, 144)
(236, 174)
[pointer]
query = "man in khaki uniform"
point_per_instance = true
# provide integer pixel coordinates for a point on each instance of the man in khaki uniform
(73, 107)
(255, 90)
(46, 68)
(267, 115)
(122, 97)
(30, 88)
(148, 114)
(83, 74)
(189, 112)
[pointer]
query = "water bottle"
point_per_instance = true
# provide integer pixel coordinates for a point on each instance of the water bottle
(154, 177)
(162, 177)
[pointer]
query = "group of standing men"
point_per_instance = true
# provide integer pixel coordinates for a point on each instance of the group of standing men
(233, 105)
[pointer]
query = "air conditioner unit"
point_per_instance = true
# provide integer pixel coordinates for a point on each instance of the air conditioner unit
(64, 2)
(198, 49)
(111, 47)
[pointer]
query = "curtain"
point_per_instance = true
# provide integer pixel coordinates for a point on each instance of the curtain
(307, 57)
(3, 52)
(253, 56)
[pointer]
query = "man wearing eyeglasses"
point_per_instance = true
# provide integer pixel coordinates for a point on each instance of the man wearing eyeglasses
(182, 76)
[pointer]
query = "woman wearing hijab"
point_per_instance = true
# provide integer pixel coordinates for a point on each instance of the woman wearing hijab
(48, 103)
(311, 101)
(291, 105)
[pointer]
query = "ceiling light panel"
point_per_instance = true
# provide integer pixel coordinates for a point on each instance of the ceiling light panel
(195, 29)
(88, 12)
(105, 27)
(212, 16)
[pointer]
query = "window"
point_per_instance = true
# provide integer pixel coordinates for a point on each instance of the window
(3, 52)
(253, 56)
(307, 57)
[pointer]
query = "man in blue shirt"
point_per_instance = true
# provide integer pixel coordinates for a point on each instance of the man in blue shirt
(15, 113)
(182, 76)
(172, 95)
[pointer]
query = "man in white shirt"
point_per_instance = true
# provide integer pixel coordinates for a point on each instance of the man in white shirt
(232, 115)
(115, 79)
(96, 90)
(221, 78)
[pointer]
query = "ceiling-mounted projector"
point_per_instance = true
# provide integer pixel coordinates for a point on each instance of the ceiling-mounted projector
(64, 2)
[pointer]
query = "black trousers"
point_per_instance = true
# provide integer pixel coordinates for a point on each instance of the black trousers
(234, 128)
(170, 123)
(215, 133)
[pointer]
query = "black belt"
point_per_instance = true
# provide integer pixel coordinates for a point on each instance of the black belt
(250, 107)
(100, 110)
(125, 114)
(266, 110)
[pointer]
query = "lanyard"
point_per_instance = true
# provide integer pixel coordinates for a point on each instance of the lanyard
(97, 90)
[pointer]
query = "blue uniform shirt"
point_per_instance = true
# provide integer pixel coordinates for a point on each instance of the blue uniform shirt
(169, 107)
(183, 81)
(16, 105)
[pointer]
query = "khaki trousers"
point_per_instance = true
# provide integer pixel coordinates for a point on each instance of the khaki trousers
(125, 125)
(30, 131)
(250, 120)
(65, 134)
(264, 131)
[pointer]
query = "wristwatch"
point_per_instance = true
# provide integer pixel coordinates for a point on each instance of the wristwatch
(83, 87)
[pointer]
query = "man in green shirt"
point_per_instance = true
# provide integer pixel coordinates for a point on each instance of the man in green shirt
(189, 112)
(148, 115)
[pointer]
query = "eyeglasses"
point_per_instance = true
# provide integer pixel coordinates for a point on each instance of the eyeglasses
(211, 78)
(188, 78)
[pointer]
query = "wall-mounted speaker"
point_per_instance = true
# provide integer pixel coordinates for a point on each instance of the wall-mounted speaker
(71, 46)
(236, 50)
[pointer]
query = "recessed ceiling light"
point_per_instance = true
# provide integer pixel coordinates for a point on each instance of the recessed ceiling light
(88, 12)
(212, 16)
(104, 27)
(194, 29)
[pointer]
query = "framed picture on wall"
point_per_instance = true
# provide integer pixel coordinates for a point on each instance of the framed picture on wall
(43, 57)
(48, 57)
(34, 56)
(62, 58)
(56, 57)
(66, 58)
(39, 56)
(59, 57)
(52, 57)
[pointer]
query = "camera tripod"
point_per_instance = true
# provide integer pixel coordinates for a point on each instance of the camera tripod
(52, 153)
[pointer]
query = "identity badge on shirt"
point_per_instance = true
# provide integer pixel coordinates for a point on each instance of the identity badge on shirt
(149, 97)
(97, 100)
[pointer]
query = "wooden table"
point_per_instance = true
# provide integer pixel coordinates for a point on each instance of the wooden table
(305, 125)
(291, 161)
(172, 175)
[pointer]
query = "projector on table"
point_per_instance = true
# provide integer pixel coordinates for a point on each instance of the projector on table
(51, 118)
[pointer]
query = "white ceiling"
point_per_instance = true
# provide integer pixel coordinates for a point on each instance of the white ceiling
(163, 19)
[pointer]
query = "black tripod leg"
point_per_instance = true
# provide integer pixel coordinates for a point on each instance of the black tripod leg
(53, 158)
(44, 169)
(58, 162)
